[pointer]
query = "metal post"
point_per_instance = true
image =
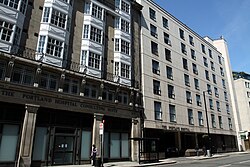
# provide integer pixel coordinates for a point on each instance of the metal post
(208, 132)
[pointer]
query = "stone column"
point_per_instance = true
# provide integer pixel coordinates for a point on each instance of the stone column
(96, 131)
(25, 152)
(135, 133)
(178, 140)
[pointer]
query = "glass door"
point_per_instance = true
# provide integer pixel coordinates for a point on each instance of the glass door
(63, 150)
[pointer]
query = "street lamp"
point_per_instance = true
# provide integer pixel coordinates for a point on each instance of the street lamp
(208, 132)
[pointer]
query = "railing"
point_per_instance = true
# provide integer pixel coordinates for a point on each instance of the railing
(31, 54)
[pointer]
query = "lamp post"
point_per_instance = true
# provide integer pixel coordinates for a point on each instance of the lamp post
(208, 132)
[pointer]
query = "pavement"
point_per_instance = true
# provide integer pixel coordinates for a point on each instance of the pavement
(161, 162)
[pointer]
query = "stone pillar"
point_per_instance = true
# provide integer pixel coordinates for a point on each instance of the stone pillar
(96, 131)
(178, 140)
(25, 152)
(61, 82)
(9, 69)
(135, 133)
(37, 75)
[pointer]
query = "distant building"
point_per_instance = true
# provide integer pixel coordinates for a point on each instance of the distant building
(178, 65)
(242, 84)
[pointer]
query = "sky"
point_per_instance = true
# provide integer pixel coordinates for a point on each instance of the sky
(215, 18)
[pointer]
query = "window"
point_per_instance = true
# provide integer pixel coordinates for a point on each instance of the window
(172, 113)
(193, 56)
(165, 22)
(214, 78)
(195, 69)
(49, 81)
(166, 39)
(41, 44)
(87, 8)
(212, 65)
(209, 89)
(58, 18)
(155, 67)
(205, 61)
(203, 49)
(156, 87)
(125, 70)
(171, 92)
(213, 121)
(125, 47)
(211, 104)
(207, 75)
(46, 13)
(71, 86)
(169, 71)
(218, 105)
(220, 122)
(183, 48)
(54, 47)
(182, 34)
(154, 48)
(153, 30)
(222, 71)
(158, 110)
(225, 95)
(90, 91)
(96, 11)
(96, 34)
(186, 79)
(210, 53)
(94, 60)
(219, 59)
(200, 118)
(125, 26)
(117, 44)
(216, 92)
(189, 97)
(190, 117)
(230, 125)
(227, 108)
(168, 55)
(22, 75)
(86, 31)
(2, 69)
(248, 94)
(223, 83)
(247, 84)
(185, 64)
(10, 3)
(198, 100)
(123, 98)
(125, 7)
(116, 68)
(6, 30)
(191, 40)
(117, 22)
(152, 14)
(196, 84)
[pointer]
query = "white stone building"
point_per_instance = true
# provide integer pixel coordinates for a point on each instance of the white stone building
(178, 66)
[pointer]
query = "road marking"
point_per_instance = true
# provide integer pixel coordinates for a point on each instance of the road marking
(242, 162)
(225, 165)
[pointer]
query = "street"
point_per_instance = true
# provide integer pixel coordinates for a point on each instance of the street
(237, 160)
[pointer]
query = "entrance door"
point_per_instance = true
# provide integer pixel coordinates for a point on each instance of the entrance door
(63, 150)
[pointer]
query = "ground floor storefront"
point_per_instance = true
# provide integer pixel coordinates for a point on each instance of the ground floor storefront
(41, 136)
(179, 143)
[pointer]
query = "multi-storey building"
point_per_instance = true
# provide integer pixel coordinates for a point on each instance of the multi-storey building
(65, 66)
(242, 83)
(178, 67)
